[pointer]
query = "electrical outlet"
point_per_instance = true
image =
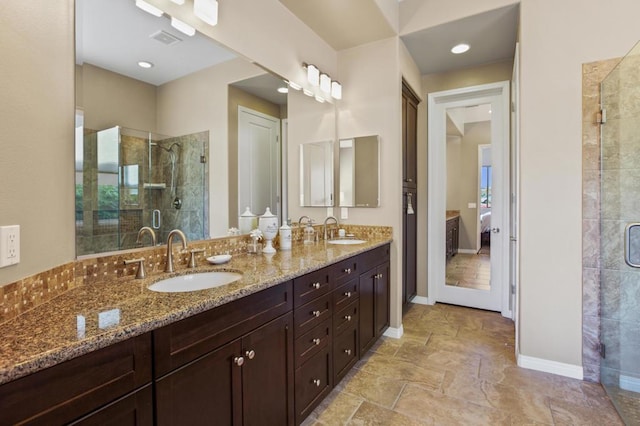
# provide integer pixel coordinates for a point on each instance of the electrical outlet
(9, 245)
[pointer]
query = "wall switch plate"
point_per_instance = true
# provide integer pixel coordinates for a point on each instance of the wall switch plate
(471, 205)
(9, 245)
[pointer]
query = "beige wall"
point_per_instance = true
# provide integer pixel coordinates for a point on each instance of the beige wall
(552, 55)
(109, 99)
(462, 179)
(37, 142)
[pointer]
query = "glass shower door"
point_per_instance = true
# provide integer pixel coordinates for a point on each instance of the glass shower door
(620, 236)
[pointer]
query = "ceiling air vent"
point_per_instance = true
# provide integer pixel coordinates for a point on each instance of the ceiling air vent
(165, 38)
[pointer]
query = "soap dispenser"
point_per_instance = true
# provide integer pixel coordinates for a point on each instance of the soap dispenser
(285, 237)
(309, 233)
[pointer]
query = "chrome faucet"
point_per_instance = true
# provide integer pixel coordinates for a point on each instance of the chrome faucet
(325, 225)
(169, 266)
(302, 217)
(146, 230)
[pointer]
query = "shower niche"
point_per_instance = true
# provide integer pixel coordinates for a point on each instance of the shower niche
(128, 179)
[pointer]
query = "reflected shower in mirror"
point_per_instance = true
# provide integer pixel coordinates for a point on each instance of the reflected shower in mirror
(359, 172)
(316, 174)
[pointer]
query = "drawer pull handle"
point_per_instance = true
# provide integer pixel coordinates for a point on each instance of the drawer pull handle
(347, 271)
(315, 285)
(250, 354)
(348, 294)
(316, 313)
(238, 361)
(347, 317)
(316, 341)
(316, 382)
(347, 351)
(377, 276)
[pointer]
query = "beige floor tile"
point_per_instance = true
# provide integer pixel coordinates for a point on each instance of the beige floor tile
(395, 368)
(336, 409)
(568, 413)
(370, 415)
(424, 356)
(433, 406)
(381, 390)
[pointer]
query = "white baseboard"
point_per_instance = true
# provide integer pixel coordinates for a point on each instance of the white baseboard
(421, 300)
(553, 367)
(467, 251)
(396, 333)
(630, 383)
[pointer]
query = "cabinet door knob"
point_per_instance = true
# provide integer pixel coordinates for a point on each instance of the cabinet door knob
(316, 341)
(316, 382)
(316, 313)
(250, 354)
(347, 271)
(348, 294)
(315, 285)
(238, 361)
(347, 317)
(347, 351)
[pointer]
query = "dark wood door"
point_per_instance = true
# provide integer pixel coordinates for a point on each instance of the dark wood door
(382, 315)
(267, 374)
(409, 137)
(204, 392)
(367, 309)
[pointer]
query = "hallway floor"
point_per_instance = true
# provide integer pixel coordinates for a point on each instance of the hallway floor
(456, 366)
(469, 271)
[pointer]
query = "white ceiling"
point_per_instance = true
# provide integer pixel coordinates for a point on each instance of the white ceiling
(114, 35)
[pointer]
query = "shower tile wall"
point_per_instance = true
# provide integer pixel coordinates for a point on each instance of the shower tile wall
(592, 75)
(620, 160)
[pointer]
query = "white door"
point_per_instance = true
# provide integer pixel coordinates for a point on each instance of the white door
(496, 297)
(258, 162)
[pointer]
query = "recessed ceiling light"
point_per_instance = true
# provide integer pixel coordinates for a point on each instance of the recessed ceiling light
(145, 64)
(283, 90)
(460, 48)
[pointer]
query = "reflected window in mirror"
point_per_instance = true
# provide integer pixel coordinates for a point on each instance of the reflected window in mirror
(359, 172)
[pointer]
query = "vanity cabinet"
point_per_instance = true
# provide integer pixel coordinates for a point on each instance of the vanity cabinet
(229, 365)
(453, 237)
(111, 383)
(374, 296)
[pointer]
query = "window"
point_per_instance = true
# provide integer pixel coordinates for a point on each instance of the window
(485, 187)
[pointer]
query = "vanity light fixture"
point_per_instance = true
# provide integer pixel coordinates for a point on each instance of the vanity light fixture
(293, 85)
(145, 64)
(325, 83)
(319, 99)
(336, 90)
(207, 10)
(283, 90)
(183, 27)
(307, 92)
(313, 74)
(460, 48)
(149, 8)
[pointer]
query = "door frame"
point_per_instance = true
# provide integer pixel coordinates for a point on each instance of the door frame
(437, 104)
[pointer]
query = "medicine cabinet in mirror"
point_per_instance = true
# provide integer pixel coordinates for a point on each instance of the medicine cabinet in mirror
(316, 174)
(359, 172)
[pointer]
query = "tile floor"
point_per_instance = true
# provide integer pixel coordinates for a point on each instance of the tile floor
(469, 270)
(456, 366)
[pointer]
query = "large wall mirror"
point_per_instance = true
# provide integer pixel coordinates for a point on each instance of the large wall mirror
(165, 131)
(359, 172)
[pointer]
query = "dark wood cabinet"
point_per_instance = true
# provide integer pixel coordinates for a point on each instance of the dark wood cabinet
(135, 409)
(233, 368)
(409, 193)
(76, 388)
(452, 236)
(374, 297)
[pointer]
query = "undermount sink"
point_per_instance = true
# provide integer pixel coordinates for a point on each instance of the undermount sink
(194, 282)
(346, 241)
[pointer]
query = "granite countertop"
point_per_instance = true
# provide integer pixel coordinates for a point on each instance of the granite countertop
(94, 316)
(452, 214)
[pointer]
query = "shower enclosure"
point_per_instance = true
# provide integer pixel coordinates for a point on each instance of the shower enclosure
(127, 179)
(620, 236)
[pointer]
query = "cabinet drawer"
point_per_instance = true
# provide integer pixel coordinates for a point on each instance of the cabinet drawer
(310, 286)
(345, 270)
(310, 315)
(345, 353)
(74, 388)
(374, 257)
(181, 342)
(345, 294)
(312, 342)
(345, 318)
(312, 383)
